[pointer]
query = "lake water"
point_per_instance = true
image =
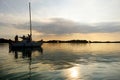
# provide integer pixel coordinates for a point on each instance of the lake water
(63, 61)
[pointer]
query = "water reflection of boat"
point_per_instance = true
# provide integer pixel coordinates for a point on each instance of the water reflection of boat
(26, 52)
(26, 41)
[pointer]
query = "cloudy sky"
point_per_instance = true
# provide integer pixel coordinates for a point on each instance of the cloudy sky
(61, 19)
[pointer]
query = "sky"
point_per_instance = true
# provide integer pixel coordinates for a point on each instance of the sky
(61, 19)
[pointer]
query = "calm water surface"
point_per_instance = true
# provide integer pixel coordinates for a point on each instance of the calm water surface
(61, 62)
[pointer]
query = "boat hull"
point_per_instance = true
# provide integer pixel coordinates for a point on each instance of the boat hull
(27, 44)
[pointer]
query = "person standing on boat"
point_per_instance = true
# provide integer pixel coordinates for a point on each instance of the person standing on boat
(23, 37)
(16, 38)
(29, 38)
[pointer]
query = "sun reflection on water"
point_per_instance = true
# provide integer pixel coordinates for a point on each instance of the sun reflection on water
(73, 74)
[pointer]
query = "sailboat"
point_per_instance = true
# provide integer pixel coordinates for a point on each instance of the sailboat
(26, 42)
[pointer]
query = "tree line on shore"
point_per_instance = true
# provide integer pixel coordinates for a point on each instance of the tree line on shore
(68, 41)
(2, 40)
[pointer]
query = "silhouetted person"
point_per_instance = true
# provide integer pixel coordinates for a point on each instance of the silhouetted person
(16, 38)
(41, 39)
(23, 37)
(29, 38)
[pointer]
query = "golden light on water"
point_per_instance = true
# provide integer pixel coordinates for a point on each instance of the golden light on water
(79, 48)
(73, 73)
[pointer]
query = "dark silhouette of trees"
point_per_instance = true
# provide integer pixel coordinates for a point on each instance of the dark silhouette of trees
(69, 41)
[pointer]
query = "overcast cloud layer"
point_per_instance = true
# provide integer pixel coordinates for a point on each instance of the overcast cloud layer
(62, 26)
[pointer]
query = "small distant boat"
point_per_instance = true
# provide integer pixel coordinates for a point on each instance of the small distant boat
(26, 42)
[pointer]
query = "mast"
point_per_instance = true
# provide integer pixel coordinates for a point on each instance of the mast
(30, 20)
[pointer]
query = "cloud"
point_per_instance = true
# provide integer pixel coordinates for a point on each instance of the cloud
(9, 19)
(63, 26)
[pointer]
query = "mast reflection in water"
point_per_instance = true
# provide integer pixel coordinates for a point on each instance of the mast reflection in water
(26, 53)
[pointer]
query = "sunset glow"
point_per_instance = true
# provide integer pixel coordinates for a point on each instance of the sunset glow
(62, 19)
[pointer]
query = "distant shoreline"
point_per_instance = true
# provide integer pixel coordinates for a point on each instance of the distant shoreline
(80, 41)
(107, 42)
(2, 40)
